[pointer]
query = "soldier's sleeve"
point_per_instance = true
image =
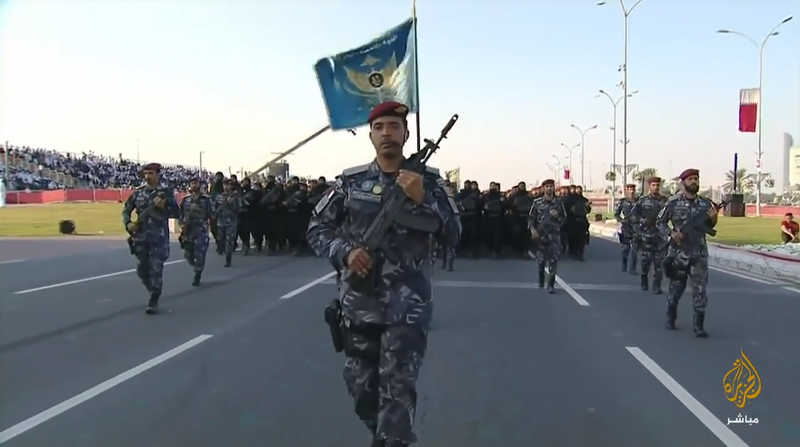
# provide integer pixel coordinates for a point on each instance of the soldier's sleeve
(588, 207)
(323, 233)
(183, 210)
(127, 208)
(443, 207)
(618, 211)
(664, 216)
(533, 215)
(237, 205)
(173, 210)
(562, 212)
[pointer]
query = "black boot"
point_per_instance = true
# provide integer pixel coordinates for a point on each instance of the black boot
(644, 284)
(541, 277)
(450, 264)
(625, 264)
(672, 315)
(699, 320)
(196, 281)
(657, 287)
(551, 282)
(227, 261)
(152, 305)
(377, 442)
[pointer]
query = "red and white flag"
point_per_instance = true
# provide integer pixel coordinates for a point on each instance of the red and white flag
(749, 100)
(566, 173)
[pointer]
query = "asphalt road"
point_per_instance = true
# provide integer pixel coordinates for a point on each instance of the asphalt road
(245, 360)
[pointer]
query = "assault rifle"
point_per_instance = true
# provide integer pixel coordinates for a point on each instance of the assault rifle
(194, 209)
(699, 224)
(374, 238)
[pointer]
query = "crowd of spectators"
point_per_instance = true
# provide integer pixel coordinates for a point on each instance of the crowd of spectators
(87, 170)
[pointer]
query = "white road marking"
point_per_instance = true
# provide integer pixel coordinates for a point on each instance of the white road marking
(78, 281)
(73, 402)
(743, 276)
(792, 289)
(707, 418)
(313, 283)
(571, 292)
(13, 261)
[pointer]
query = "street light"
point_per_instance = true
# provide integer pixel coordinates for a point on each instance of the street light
(759, 107)
(626, 12)
(570, 149)
(201, 159)
(614, 128)
(583, 149)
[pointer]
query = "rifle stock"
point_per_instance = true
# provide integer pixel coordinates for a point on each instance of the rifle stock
(374, 238)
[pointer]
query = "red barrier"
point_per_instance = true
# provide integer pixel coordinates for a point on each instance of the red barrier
(772, 210)
(72, 195)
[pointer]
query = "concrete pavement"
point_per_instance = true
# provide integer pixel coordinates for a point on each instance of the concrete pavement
(508, 365)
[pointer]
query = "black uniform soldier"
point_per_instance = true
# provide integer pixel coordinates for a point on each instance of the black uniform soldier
(626, 230)
(519, 206)
(687, 255)
(651, 250)
(385, 333)
(470, 212)
(545, 219)
(493, 217)
(577, 207)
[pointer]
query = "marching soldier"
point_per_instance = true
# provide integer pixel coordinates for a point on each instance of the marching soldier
(651, 253)
(626, 232)
(687, 254)
(385, 334)
(520, 206)
(197, 210)
(226, 210)
(546, 216)
(214, 190)
(577, 226)
(149, 235)
(468, 200)
(493, 217)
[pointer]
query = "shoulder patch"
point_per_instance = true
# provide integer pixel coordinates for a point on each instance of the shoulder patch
(356, 169)
(674, 197)
(432, 170)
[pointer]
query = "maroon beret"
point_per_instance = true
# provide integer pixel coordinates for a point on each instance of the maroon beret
(549, 182)
(631, 185)
(152, 167)
(688, 173)
(654, 180)
(388, 108)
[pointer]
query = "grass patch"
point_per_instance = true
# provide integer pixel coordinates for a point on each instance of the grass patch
(747, 230)
(94, 219)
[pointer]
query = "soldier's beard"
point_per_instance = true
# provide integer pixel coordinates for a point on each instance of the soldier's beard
(692, 189)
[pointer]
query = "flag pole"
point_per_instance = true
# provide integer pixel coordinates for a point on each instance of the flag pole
(416, 73)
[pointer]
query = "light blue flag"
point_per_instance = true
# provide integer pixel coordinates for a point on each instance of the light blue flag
(382, 70)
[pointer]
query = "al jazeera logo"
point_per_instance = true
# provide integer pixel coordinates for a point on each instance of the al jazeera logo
(742, 385)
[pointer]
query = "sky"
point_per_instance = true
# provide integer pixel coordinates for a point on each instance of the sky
(234, 80)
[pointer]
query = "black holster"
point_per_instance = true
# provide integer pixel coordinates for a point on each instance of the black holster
(333, 318)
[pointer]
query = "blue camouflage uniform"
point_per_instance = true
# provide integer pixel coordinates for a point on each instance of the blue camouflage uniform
(650, 250)
(385, 334)
(547, 216)
(626, 234)
(196, 211)
(226, 210)
(151, 240)
(689, 259)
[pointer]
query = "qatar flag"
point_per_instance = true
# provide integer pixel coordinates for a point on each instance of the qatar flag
(749, 99)
(566, 173)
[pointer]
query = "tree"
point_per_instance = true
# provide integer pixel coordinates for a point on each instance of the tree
(769, 183)
(644, 174)
(746, 183)
(611, 176)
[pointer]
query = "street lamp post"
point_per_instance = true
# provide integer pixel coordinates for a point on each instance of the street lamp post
(759, 107)
(201, 159)
(583, 150)
(614, 105)
(626, 13)
(569, 151)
